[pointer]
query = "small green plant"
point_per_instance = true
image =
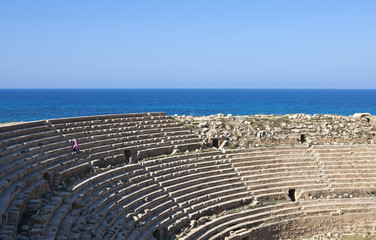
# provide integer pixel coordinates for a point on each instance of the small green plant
(191, 127)
(40, 144)
(258, 124)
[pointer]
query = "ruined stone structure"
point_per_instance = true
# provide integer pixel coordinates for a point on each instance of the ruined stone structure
(267, 130)
(146, 176)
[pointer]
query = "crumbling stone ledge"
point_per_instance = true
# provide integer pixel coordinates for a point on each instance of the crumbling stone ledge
(263, 130)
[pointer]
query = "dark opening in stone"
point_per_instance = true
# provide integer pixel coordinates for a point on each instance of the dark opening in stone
(48, 177)
(159, 234)
(215, 143)
(302, 138)
(156, 234)
(45, 176)
(128, 155)
(292, 195)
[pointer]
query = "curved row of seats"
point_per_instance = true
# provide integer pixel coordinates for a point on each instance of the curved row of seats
(199, 184)
(36, 158)
(312, 173)
(159, 197)
(270, 173)
(49, 192)
(141, 200)
(245, 222)
(348, 167)
(27, 150)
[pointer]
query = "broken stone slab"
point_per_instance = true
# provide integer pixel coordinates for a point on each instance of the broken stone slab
(360, 115)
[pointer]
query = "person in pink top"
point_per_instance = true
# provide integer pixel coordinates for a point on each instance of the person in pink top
(75, 146)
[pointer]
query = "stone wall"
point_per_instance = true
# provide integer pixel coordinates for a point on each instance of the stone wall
(264, 130)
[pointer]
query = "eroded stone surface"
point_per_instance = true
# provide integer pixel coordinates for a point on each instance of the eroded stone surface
(263, 130)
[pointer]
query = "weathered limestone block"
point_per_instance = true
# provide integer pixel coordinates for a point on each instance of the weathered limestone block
(360, 115)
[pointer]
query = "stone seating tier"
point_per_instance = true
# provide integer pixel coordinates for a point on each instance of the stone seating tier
(23, 125)
(114, 123)
(198, 185)
(79, 132)
(249, 177)
(20, 129)
(221, 227)
(296, 165)
(97, 193)
(37, 150)
(159, 197)
(17, 151)
(272, 162)
(63, 150)
(107, 117)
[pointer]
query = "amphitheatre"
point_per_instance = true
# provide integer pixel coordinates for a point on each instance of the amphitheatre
(154, 176)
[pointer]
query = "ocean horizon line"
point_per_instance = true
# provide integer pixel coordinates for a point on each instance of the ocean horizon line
(187, 88)
(35, 104)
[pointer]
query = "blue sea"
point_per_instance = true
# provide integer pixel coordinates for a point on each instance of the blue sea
(36, 104)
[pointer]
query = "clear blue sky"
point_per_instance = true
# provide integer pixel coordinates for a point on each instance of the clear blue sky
(188, 44)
